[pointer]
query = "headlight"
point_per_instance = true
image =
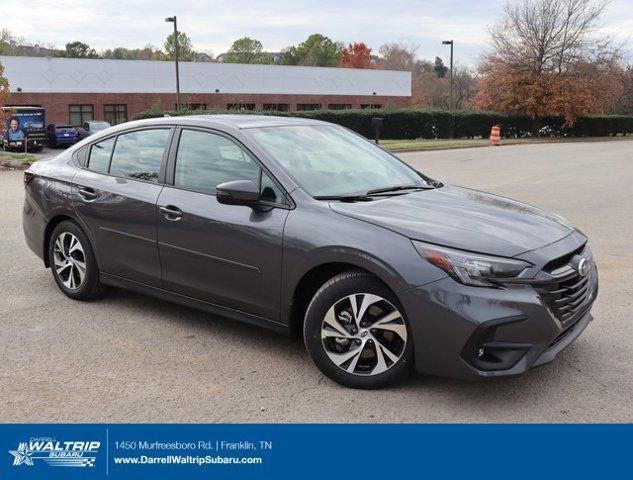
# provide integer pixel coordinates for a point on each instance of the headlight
(471, 268)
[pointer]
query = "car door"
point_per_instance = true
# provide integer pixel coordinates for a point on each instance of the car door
(116, 195)
(228, 255)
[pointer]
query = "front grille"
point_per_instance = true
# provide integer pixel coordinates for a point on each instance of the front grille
(566, 298)
(568, 329)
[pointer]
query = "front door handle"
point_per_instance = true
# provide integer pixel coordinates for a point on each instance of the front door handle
(87, 193)
(171, 213)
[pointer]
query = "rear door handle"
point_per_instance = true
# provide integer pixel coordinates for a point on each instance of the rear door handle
(87, 193)
(171, 213)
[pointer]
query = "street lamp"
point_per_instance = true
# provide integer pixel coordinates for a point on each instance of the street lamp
(450, 101)
(174, 21)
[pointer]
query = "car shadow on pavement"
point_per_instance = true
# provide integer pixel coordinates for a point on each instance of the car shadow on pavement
(179, 324)
(201, 323)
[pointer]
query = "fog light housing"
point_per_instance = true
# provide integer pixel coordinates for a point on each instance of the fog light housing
(485, 353)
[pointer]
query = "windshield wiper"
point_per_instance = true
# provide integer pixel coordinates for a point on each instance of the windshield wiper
(367, 196)
(345, 198)
(397, 188)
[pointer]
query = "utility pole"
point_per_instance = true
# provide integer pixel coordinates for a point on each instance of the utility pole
(450, 98)
(176, 48)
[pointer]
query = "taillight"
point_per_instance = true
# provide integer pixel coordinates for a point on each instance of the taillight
(28, 177)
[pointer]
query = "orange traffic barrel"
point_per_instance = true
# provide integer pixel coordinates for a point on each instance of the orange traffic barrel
(495, 135)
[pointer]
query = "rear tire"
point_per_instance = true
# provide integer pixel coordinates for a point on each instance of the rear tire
(356, 332)
(73, 262)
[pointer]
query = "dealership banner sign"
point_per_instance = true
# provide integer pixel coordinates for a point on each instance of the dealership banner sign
(191, 451)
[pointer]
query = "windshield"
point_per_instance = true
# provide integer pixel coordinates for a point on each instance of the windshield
(327, 160)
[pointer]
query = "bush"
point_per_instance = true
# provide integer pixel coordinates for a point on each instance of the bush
(471, 124)
(411, 123)
(398, 123)
(603, 125)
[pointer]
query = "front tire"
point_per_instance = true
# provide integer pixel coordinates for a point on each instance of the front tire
(73, 262)
(356, 332)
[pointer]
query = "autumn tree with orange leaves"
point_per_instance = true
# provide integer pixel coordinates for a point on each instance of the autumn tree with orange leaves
(4, 92)
(356, 55)
(547, 60)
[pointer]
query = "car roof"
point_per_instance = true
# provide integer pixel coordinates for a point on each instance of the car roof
(235, 121)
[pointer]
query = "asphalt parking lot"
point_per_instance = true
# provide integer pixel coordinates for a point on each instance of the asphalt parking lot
(129, 358)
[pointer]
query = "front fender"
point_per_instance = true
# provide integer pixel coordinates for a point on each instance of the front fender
(314, 237)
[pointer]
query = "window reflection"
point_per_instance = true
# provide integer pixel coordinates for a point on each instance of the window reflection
(139, 154)
(100, 156)
(205, 160)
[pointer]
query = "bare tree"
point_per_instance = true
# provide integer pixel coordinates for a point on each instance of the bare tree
(398, 56)
(547, 34)
(465, 87)
(625, 102)
(431, 91)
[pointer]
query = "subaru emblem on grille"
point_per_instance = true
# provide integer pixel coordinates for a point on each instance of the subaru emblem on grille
(583, 267)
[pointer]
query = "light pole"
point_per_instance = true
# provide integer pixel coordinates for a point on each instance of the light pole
(176, 47)
(450, 98)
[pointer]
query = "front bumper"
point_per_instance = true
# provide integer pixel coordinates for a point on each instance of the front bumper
(473, 332)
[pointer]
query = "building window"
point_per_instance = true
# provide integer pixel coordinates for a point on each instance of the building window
(277, 107)
(78, 114)
(370, 105)
(240, 106)
(339, 106)
(308, 106)
(115, 114)
(192, 106)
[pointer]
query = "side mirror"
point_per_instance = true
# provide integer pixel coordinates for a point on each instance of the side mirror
(240, 192)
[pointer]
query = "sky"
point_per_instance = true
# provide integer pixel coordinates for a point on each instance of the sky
(213, 25)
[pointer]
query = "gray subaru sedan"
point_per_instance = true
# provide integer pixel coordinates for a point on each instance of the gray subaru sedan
(304, 226)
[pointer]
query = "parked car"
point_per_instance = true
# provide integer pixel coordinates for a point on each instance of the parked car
(61, 135)
(92, 126)
(303, 226)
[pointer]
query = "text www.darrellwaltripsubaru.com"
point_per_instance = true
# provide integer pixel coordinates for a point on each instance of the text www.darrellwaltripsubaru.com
(186, 460)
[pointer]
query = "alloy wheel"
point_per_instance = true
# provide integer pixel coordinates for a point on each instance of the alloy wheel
(364, 334)
(70, 260)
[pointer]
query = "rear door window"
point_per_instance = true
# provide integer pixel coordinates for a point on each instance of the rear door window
(100, 154)
(139, 154)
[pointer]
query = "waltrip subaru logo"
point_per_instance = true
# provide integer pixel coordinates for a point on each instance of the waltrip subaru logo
(56, 453)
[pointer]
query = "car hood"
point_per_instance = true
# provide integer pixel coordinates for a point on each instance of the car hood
(462, 218)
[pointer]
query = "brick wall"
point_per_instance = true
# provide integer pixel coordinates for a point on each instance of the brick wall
(56, 104)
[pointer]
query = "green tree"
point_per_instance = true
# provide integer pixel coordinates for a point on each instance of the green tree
(440, 68)
(80, 50)
(6, 37)
(247, 50)
(185, 48)
(317, 50)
